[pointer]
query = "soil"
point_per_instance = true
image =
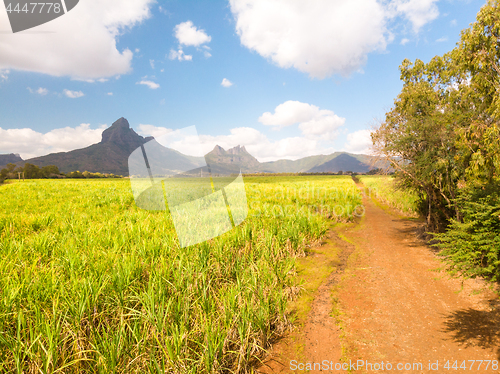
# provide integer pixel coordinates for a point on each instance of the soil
(393, 305)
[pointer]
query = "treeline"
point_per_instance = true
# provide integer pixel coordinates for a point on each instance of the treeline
(371, 172)
(30, 171)
(442, 138)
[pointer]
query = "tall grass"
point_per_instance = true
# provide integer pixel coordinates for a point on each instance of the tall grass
(89, 283)
(383, 188)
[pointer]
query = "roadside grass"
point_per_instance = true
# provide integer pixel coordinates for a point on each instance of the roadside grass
(383, 189)
(89, 283)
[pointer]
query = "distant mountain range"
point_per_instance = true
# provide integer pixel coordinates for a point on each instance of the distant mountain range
(9, 159)
(119, 141)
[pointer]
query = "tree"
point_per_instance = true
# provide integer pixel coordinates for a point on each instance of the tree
(442, 139)
(32, 171)
(50, 170)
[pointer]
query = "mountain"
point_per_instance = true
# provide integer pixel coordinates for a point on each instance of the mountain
(332, 163)
(302, 165)
(231, 161)
(344, 162)
(110, 155)
(12, 158)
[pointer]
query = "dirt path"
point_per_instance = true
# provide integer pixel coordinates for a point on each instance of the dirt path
(395, 308)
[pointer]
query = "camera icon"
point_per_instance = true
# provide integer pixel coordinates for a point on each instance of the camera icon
(205, 196)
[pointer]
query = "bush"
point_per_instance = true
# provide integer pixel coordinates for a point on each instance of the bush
(472, 247)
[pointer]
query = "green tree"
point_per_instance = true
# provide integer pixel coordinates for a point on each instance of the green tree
(49, 170)
(32, 171)
(442, 138)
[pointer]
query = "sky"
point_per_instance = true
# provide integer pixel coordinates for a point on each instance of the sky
(285, 78)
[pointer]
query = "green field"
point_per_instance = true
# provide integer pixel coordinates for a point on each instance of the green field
(382, 187)
(90, 283)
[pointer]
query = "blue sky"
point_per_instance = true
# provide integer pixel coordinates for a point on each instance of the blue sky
(303, 78)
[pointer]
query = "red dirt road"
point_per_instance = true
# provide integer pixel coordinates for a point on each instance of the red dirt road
(396, 308)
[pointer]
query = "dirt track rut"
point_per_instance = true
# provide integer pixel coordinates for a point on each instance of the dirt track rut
(396, 308)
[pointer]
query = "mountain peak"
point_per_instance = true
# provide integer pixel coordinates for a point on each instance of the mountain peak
(238, 150)
(121, 122)
(121, 134)
(218, 150)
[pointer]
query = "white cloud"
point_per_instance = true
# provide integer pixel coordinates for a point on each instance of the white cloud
(313, 121)
(150, 84)
(152, 63)
(404, 41)
(4, 75)
(150, 130)
(453, 22)
(81, 44)
(30, 143)
(359, 142)
(443, 39)
(40, 91)
(164, 11)
(73, 94)
(100, 80)
(226, 83)
(187, 34)
(319, 38)
(324, 37)
(110, 93)
(179, 55)
(256, 143)
(418, 12)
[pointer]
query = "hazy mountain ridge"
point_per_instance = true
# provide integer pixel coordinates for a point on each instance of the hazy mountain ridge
(11, 158)
(111, 155)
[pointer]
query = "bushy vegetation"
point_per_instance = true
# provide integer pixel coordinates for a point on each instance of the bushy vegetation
(30, 171)
(89, 283)
(442, 139)
(384, 188)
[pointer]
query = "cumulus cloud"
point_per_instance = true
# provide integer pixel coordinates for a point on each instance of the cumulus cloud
(150, 84)
(73, 94)
(187, 34)
(319, 38)
(152, 63)
(359, 142)
(150, 130)
(110, 93)
(404, 41)
(41, 91)
(81, 44)
(256, 143)
(418, 12)
(226, 83)
(324, 37)
(29, 143)
(441, 40)
(179, 55)
(313, 121)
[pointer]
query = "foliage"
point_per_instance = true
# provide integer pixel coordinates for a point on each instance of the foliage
(34, 172)
(384, 188)
(90, 283)
(471, 247)
(442, 136)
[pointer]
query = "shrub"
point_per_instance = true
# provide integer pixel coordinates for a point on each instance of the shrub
(472, 247)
